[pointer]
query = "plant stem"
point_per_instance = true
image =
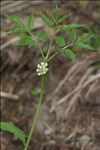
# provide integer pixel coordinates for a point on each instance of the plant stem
(67, 46)
(57, 52)
(36, 114)
(37, 43)
(49, 49)
(52, 56)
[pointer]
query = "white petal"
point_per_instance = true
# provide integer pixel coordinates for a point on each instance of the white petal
(46, 64)
(42, 63)
(38, 74)
(37, 70)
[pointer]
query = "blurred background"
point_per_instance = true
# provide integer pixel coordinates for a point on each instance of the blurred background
(70, 116)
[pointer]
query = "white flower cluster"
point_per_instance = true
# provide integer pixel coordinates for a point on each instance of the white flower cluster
(42, 68)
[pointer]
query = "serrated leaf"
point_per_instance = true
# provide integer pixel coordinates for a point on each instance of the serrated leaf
(31, 42)
(26, 40)
(46, 20)
(85, 37)
(9, 127)
(16, 20)
(30, 23)
(23, 41)
(69, 53)
(42, 35)
(17, 31)
(60, 41)
(71, 26)
(73, 36)
(63, 18)
(85, 46)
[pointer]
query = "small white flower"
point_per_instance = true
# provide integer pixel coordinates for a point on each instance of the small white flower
(42, 68)
(39, 66)
(42, 63)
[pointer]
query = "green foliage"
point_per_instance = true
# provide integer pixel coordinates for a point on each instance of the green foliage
(82, 41)
(9, 127)
(30, 23)
(42, 35)
(55, 21)
(60, 41)
(95, 31)
(36, 91)
(23, 40)
(16, 20)
(85, 46)
(17, 31)
(71, 26)
(73, 36)
(52, 17)
(85, 37)
(62, 19)
(47, 20)
(67, 52)
(97, 41)
(31, 42)
(57, 13)
(26, 40)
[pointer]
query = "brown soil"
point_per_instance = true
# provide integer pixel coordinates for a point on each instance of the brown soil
(75, 123)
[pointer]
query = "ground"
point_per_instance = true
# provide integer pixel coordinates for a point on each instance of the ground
(70, 115)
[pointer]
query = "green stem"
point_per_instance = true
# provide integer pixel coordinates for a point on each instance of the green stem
(36, 114)
(67, 46)
(57, 52)
(37, 43)
(49, 49)
(52, 56)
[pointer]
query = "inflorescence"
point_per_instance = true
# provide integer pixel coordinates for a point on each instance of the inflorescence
(42, 68)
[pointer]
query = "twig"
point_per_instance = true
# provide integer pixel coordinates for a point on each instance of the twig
(68, 74)
(18, 6)
(72, 71)
(53, 56)
(75, 97)
(9, 96)
(80, 85)
(67, 46)
(90, 90)
(3, 46)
